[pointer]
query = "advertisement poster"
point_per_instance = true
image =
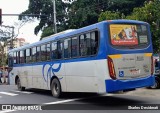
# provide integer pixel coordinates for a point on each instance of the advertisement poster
(122, 34)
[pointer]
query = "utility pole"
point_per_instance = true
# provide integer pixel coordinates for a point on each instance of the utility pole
(54, 15)
(12, 45)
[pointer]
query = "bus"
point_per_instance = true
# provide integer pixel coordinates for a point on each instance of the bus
(106, 57)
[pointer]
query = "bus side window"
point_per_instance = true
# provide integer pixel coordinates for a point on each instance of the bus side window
(59, 49)
(34, 54)
(74, 47)
(43, 53)
(10, 60)
(54, 50)
(48, 49)
(67, 48)
(21, 57)
(15, 57)
(18, 57)
(28, 56)
(88, 43)
(94, 42)
(82, 45)
(38, 55)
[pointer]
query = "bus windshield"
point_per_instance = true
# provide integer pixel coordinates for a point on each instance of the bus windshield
(128, 35)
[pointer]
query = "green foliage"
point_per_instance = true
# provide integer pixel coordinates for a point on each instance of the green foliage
(47, 31)
(124, 6)
(150, 13)
(108, 15)
(86, 12)
(44, 12)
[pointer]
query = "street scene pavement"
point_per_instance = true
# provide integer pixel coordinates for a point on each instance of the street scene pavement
(9, 95)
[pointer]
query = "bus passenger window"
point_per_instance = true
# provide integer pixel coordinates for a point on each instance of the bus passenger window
(82, 45)
(34, 54)
(15, 57)
(43, 53)
(18, 58)
(10, 60)
(74, 47)
(21, 57)
(48, 47)
(59, 48)
(88, 43)
(94, 42)
(67, 48)
(38, 55)
(54, 50)
(28, 56)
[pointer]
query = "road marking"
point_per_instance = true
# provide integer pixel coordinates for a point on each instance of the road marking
(63, 101)
(25, 92)
(6, 111)
(10, 94)
(108, 94)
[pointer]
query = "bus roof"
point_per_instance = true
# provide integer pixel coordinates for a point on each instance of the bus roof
(76, 31)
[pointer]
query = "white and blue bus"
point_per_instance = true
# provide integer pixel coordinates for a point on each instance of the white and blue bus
(105, 57)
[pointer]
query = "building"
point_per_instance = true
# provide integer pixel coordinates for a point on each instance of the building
(18, 42)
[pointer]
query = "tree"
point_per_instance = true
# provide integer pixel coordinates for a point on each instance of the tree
(124, 6)
(150, 13)
(108, 15)
(46, 32)
(78, 14)
(44, 12)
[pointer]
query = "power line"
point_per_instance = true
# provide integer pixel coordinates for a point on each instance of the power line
(24, 15)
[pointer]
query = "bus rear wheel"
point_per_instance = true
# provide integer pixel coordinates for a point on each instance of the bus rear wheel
(56, 88)
(156, 84)
(19, 86)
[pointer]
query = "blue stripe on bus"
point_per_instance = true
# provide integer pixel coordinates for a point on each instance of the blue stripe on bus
(119, 85)
(60, 61)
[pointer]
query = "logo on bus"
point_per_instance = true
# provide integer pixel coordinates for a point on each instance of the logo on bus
(48, 71)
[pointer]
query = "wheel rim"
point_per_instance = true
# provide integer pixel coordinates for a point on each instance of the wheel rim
(155, 85)
(55, 89)
(18, 84)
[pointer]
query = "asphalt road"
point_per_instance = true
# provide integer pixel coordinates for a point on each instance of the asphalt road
(80, 102)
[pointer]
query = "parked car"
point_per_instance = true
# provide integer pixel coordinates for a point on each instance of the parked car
(157, 75)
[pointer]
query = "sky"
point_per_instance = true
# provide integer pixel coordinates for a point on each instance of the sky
(17, 7)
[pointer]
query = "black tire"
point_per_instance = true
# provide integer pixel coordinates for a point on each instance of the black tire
(56, 88)
(20, 88)
(157, 83)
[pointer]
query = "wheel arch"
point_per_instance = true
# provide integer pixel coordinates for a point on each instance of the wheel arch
(16, 78)
(54, 77)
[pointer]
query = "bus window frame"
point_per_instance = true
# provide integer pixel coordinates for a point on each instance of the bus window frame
(77, 35)
(62, 41)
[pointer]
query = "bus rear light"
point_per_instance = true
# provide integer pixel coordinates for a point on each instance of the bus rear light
(152, 65)
(111, 68)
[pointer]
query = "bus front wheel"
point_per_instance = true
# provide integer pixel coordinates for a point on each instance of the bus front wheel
(56, 88)
(19, 86)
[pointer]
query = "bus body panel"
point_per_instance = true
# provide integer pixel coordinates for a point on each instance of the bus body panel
(86, 76)
(128, 66)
